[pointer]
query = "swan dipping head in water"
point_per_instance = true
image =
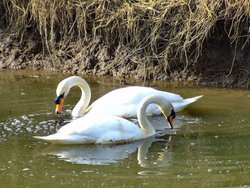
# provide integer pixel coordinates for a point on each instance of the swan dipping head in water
(122, 102)
(110, 129)
(63, 89)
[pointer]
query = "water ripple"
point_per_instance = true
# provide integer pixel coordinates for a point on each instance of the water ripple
(29, 125)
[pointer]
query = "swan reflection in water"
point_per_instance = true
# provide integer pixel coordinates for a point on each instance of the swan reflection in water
(108, 154)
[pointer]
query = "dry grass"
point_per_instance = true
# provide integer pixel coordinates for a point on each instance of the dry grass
(160, 30)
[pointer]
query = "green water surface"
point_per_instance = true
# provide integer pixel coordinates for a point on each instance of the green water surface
(210, 146)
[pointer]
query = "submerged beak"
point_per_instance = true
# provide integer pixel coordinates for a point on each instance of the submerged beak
(59, 103)
(171, 119)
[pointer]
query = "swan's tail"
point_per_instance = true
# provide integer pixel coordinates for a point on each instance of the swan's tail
(49, 138)
(180, 105)
(56, 139)
(66, 139)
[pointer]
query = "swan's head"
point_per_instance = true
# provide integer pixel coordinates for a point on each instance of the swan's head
(63, 89)
(170, 118)
(169, 114)
(61, 93)
(59, 103)
(166, 109)
(164, 105)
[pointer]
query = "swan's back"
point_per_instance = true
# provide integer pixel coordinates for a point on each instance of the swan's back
(133, 94)
(96, 129)
(123, 102)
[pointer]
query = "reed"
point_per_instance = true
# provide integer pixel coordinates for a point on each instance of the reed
(159, 30)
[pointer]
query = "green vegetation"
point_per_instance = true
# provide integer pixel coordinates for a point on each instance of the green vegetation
(158, 31)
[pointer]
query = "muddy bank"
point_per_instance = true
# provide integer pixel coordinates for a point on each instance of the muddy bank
(203, 42)
(217, 66)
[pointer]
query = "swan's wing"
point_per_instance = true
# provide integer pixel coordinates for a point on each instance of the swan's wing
(95, 129)
(123, 102)
(120, 102)
(59, 138)
(134, 94)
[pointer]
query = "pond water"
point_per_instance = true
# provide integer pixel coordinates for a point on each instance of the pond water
(210, 146)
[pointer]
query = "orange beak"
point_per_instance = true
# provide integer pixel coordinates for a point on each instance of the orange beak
(171, 119)
(59, 106)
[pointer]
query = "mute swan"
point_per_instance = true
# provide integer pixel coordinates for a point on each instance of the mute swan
(121, 102)
(107, 129)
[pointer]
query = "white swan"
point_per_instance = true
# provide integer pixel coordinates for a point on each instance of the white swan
(107, 129)
(121, 102)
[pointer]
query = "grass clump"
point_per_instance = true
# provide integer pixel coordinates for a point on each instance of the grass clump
(160, 31)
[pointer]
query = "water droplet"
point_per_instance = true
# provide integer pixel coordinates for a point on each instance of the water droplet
(192, 144)
(179, 176)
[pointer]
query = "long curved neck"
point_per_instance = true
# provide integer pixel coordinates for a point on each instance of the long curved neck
(164, 105)
(85, 96)
(144, 123)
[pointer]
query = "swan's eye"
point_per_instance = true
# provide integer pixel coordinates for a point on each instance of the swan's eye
(58, 99)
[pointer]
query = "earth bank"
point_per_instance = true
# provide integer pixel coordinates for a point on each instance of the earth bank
(217, 66)
(205, 43)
